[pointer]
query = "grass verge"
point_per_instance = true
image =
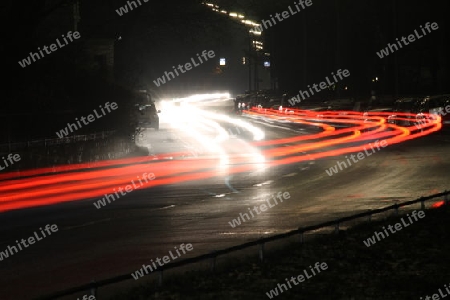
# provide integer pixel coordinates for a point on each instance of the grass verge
(409, 264)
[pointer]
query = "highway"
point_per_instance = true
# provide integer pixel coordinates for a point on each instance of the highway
(209, 167)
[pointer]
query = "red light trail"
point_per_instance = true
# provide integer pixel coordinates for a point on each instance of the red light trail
(342, 132)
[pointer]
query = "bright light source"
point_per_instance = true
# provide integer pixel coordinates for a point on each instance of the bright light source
(267, 64)
(234, 15)
(222, 62)
(204, 97)
(249, 22)
(255, 32)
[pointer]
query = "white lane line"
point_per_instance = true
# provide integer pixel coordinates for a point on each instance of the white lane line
(290, 175)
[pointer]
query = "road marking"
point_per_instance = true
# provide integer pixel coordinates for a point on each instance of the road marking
(290, 175)
(85, 224)
(164, 207)
(264, 183)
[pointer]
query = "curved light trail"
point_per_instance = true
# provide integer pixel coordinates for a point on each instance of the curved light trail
(341, 132)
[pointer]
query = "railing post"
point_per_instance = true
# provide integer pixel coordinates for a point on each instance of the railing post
(301, 238)
(336, 228)
(93, 289)
(160, 278)
(446, 198)
(213, 264)
(422, 204)
(369, 218)
(261, 252)
(396, 209)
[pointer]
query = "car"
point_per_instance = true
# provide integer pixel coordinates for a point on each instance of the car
(282, 109)
(435, 105)
(369, 111)
(403, 106)
(424, 109)
(147, 116)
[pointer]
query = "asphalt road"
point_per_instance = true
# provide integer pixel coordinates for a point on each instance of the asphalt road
(93, 244)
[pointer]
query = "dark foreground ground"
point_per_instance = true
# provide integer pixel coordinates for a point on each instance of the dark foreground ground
(409, 264)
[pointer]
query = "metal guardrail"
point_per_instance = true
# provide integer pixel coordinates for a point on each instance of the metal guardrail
(92, 287)
(55, 141)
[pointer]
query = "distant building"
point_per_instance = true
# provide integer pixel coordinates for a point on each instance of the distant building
(76, 15)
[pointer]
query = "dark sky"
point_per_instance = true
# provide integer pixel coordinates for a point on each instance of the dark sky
(305, 48)
(311, 44)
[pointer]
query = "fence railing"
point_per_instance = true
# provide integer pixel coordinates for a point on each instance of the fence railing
(17, 146)
(92, 287)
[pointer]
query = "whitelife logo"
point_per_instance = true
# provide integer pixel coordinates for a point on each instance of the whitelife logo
(236, 222)
(166, 259)
(323, 85)
(49, 229)
(391, 48)
(35, 56)
(438, 296)
(110, 197)
(11, 158)
(90, 118)
(124, 9)
(360, 155)
(86, 297)
(318, 267)
(284, 15)
(398, 226)
(422, 119)
(188, 66)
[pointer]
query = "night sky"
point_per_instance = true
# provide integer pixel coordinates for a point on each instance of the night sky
(149, 40)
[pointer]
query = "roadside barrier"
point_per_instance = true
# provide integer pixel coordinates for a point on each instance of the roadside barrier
(93, 287)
